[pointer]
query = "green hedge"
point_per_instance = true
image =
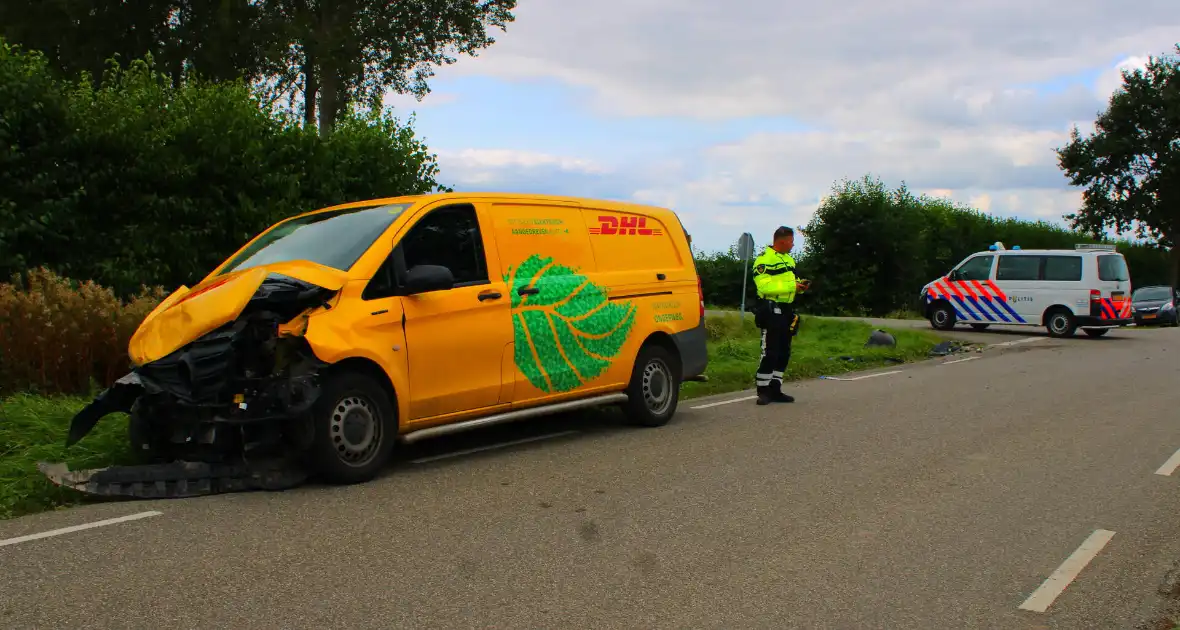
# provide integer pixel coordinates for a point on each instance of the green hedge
(869, 250)
(140, 182)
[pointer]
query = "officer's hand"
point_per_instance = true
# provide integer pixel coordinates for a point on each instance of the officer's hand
(803, 285)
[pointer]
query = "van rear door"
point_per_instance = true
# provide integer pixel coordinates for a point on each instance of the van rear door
(1114, 286)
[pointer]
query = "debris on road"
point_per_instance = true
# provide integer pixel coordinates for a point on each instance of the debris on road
(947, 348)
(880, 338)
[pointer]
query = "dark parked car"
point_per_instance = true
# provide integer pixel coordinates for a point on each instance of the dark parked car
(1155, 305)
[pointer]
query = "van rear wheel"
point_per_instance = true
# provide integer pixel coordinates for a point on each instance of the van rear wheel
(654, 391)
(1061, 323)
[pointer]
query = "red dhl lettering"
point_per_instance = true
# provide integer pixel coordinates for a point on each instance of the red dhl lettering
(624, 226)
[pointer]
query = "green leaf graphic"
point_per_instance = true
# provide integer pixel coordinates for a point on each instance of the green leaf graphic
(569, 332)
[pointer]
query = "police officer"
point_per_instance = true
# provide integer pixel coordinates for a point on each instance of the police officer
(774, 278)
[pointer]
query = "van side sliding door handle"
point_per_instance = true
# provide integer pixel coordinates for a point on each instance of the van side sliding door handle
(490, 295)
(528, 291)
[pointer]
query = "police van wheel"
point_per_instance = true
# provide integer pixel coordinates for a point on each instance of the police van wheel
(654, 391)
(1061, 323)
(1095, 332)
(354, 427)
(942, 317)
(980, 326)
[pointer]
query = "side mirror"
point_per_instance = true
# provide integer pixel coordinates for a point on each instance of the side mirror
(953, 276)
(426, 278)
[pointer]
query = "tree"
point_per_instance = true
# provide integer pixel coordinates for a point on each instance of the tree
(351, 52)
(1130, 165)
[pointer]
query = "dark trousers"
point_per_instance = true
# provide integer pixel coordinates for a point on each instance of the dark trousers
(776, 347)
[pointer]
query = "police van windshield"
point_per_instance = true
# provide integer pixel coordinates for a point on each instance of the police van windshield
(1113, 268)
(334, 239)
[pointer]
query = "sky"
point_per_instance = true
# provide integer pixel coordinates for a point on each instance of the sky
(742, 115)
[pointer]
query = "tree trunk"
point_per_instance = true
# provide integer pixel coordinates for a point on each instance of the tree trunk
(311, 86)
(1174, 267)
(331, 100)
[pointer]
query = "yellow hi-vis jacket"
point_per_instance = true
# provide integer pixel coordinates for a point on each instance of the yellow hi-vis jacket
(774, 276)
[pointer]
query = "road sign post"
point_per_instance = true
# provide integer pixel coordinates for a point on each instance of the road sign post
(745, 252)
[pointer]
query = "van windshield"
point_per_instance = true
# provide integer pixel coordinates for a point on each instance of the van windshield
(1113, 268)
(334, 239)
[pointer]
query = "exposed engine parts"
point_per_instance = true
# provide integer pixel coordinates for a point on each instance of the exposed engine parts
(226, 412)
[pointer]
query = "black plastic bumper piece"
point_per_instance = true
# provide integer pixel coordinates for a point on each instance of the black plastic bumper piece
(694, 352)
(176, 480)
(1098, 322)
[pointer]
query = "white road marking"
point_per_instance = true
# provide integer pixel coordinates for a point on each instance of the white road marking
(1170, 466)
(536, 438)
(959, 360)
(725, 402)
(1017, 342)
(77, 528)
(1055, 584)
(859, 378)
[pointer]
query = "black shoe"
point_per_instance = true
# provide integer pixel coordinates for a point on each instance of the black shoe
(764, 399)
(780, 397)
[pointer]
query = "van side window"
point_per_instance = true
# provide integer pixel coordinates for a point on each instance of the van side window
(1015, 267)
(449, 237)
(978, 269)
(1063, 268)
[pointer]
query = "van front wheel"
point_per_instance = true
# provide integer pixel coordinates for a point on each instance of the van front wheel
(654, 391)
(943, 317)
(354, 427)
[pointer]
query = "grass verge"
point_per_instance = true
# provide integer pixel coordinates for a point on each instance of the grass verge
(34, 428)
(823, 347)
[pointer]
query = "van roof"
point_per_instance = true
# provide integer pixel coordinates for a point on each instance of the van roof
(1057, 252)
(601, 204)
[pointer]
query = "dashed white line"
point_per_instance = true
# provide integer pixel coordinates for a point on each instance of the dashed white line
(77, 528)
(1017, 342)
(860, 378)
(1170, 466)
(1044, 596)
(959, 360)
(724, 402)
(478, 449)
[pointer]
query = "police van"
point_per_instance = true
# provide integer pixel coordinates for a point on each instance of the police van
(1088, 287)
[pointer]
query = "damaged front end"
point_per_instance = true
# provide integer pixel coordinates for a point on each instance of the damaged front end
(226, 411)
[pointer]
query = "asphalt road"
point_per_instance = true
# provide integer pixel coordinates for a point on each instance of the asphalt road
(939, 496)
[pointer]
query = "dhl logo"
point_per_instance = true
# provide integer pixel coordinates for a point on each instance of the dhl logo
(630, 226)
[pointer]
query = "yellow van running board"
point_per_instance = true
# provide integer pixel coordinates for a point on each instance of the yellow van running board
(511, 416)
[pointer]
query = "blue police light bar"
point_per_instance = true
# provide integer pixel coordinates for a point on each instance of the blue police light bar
(991, 248)
(1015, 247)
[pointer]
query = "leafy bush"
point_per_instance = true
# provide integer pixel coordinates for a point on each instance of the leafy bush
(59, 336)
(142, 182)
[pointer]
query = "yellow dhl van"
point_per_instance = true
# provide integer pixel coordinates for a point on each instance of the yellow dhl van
(334, 333)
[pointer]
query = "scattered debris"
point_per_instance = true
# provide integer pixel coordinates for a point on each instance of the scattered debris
(880, 338)
(947, 348)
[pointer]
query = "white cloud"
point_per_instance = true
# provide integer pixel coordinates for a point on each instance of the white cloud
(941, 94)
(1112, 79)
(840, 62)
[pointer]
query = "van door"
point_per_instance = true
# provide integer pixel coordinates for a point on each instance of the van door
(1061, 281)
(1018, 277)
(455, 337)
(1114, 283)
